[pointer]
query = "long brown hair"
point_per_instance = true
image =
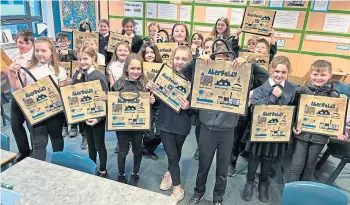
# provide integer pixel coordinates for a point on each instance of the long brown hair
(227, 32)
(54, 59)
(181, 48)
(172, 32)
(151, 45)
(142, 80)
(90, 51)
(115, 57)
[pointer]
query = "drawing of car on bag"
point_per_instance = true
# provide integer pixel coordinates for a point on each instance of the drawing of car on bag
(95, 109)
(165, 55)
(53, 106)
(41, 98)
(86, 99)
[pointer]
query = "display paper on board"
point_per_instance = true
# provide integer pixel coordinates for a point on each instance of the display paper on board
(83, 101)
(218, 87)
(166, 51)
(78, 38)
(170, 86)
(128, 111)
(151, 70)
(322, 115)
(114, 38)
(258, 58)
(258, 21)
(272, 123)
(39, 101)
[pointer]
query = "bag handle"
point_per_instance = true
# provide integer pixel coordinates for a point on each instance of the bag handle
(166, 33)
(28, 72)
(230, 52)
(131, 99)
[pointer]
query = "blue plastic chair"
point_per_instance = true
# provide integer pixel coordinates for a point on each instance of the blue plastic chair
(74, 161)
(5, 142)
(312, 193)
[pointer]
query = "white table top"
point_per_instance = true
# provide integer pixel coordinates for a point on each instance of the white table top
(6, 155)
(45, 183)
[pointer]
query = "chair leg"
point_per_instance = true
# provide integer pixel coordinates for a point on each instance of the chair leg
(337, 171)
(323, 159)
(242, 169)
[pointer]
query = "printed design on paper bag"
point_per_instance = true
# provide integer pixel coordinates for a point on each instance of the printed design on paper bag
(39, 100)
(83, 101)
(272, 123)
(258, 21)
(258, 58)
(166, 51)
(128, 111)
(115, 38)
(323, 115)
(218, 87)
(170, 86)
(78, 38)
(151, 70)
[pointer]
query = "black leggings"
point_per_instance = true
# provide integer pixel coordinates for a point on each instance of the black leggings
(253, 163)
(40, 135)
(17, 120)
(173, 146)
(124, 138)
(95, 137)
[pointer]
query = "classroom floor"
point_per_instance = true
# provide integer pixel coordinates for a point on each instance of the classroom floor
(151, 172)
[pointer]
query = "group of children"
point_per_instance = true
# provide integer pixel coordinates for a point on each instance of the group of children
(216, 132)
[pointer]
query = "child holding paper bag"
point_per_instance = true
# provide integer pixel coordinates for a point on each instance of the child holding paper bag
(309, 146)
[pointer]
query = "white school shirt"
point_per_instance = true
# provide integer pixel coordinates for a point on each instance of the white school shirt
(101, 59)
(42, 70)
(23, 59)
(116, 69)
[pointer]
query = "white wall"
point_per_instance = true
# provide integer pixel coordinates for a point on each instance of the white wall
(48, 17)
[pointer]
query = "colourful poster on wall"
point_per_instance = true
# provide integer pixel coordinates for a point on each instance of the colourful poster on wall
(218, 87)
(272, 123)
(322, 115)
(73, 12)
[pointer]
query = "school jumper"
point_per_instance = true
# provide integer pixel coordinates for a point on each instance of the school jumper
(264, 152)
(136, 44)
(309, 146)
(174, 128)
(50, 127)
(17, 116)
(102, 47)
(95, 135)
(124, 137)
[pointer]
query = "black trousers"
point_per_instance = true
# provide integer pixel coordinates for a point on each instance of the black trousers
(151, 145)
(41, 132)
(238, 146)
(95, 137)
(304, 160)
(211, 141)
(197, 132)
(124, 138)
(151, 138)
(18, 130)
(81, 127)
(253, 163)
(173, 146)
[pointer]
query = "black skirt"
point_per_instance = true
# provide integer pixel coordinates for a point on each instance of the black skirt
(267, 149)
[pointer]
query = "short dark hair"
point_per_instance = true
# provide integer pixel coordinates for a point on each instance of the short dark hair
(61, 36)
(26, 34)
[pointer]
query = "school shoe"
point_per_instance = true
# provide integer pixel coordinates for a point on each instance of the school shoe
(84, 143)
(116, 149)
(65, 132)
(196, 155)
(134, 179)
(263, 188)
(166, 182)
(122, 178)
(21, 156)
(178, 196)
(195, 200)
(218, 203)
(247, 193)
(73, 132)
(231, 172)
(103, 174)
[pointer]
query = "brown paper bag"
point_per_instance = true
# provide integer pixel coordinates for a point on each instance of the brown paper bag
(258, 21)
(258, 58)
(272, 123)
(114, 38)
(170, 86)
(322, 115)
(129, 111)
(78, 38)
(83, 101)
(68, 67)
(218, 87)
(166, 51)
(151, 70)
(40, 100)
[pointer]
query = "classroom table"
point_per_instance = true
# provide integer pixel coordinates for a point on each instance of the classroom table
(7, 157)
(44, 183)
